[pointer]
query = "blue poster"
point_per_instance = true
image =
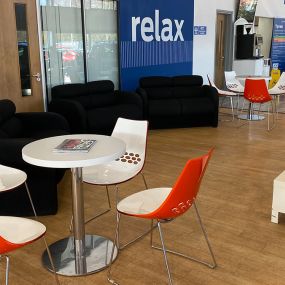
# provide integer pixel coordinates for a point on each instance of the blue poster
(156, 38)
(278, 44)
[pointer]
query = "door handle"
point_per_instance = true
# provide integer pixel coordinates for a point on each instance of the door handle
(37, 76)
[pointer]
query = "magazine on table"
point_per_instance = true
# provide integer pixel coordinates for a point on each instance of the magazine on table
(75, 145)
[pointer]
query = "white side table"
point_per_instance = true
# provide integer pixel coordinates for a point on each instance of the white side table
(79, 254)
(278, 201)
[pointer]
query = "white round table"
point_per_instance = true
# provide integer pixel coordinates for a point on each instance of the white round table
(79, 254)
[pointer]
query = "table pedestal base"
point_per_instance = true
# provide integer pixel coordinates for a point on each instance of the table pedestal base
(251, 117)
(98, 252)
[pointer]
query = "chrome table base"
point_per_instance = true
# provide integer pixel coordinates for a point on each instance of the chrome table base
(250, 117)
(97, 255)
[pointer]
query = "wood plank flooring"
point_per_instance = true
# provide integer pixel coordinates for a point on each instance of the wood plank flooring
(234, 201)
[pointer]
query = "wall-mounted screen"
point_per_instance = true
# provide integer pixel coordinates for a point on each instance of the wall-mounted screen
(247, 9)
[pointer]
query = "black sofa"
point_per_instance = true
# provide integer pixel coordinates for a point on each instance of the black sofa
(17, 130)
(179, 101)
(94, 107)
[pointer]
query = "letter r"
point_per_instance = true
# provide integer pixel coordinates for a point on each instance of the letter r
(135, 22)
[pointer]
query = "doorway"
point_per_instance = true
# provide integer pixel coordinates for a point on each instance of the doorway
(224, 46)
(20, 79)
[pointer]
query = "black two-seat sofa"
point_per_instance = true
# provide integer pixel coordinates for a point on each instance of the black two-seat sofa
(17, 130)
(179, 101)
(94, 107)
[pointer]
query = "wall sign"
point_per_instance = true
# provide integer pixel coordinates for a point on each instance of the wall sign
(156, 38)
(278, 43)
(200, 30)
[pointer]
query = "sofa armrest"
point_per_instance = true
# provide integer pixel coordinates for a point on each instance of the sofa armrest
(128, 98)
(143, 95)
(212, 93)
(11, 152)
(73, 112)
(35, 121)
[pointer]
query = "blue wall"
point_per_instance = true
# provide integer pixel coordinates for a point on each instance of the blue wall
(156, 38)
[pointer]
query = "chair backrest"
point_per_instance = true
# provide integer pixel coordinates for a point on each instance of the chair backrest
(232, 83)
(134, 134)
(185, 189)
(256, 91)
(230, 76)
(211, 82)
(11, 178)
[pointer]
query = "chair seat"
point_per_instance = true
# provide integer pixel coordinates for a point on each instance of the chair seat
(115, 172)
(11, 178)
(143, 202)
(226, 93)
(20, 230)
(276, 92)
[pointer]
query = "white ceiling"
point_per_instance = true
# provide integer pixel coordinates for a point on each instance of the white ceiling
(270, 8)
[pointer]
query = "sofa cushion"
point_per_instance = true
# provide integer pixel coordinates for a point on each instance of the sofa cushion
(85, 93)
(187, 91)
(68, 91)
(159, 93)
(196, 106)
(12, 128)
(155, 81)
(187, 80)
(107, 116)
(164, 108)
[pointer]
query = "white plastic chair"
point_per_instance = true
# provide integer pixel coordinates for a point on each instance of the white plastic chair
(277, 90)
(232, 83)
(11, 178)
(134, 134)
(224, 94)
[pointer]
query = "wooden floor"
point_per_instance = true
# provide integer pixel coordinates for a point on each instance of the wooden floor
(234, 202)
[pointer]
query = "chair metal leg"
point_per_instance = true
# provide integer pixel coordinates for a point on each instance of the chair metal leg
(6, 269)
(144, 181)
(211, 265)
(164, 253)
(273, 108)
(44, 239)
(109, 277)
(105, 211)
(142, 235)
(205, 235)
(96, 216)
(232, 107)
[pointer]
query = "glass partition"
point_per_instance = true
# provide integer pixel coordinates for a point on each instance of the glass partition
(101, 40)
(67, 58)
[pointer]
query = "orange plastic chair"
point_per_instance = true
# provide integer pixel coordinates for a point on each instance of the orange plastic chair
(166, 204)
(256, 91)
(15, 233)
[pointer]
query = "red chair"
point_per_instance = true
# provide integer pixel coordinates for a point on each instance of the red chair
(166, 204)
(256, 91)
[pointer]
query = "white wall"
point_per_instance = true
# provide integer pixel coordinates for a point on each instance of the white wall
(204, 46)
